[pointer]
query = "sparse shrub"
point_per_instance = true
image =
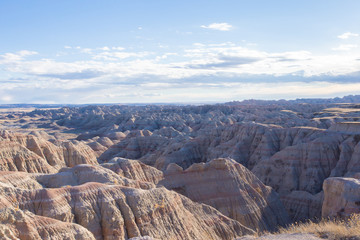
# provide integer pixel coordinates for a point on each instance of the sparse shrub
(336, 229)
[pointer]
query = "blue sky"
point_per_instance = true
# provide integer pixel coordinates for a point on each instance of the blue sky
(177, 51)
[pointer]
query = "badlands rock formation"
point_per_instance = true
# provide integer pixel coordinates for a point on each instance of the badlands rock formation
(22, 152)
(341, 197)
(245, 199)
(15, 157)
(81, 174)
(303, 205)
(134, 169)
(98, 170)
(17, 224)
(230, 188)
(117, 212)
(124, 172)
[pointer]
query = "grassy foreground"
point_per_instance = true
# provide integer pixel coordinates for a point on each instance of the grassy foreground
(329, 229)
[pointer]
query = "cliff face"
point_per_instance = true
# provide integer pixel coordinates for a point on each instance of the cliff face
(119, 199)
(21, 152)
(134, 169)
(247, 143)
(24, 225)
(287, 159)
(85, 173)
(297, 172)
(341, 197)
(15, 157)
(117, 212)
(230, 188)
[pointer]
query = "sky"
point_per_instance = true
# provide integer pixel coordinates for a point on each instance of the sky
(161, 51)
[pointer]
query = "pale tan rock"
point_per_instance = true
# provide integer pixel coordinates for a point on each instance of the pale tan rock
(15, 157)
(43, 148)
(168, 132)
(77, 175)
(105, 141)
(20, 152)
(24, 225)
(100, 145)
(116, 136)
(78, 153)
(143, 238)
(21, 180)
(84, 173)
(341, 197)
(302, 167)
(247, 143)
(116, 212)
(230, 188)
(136, 145)
(97, 147)
(134, 169)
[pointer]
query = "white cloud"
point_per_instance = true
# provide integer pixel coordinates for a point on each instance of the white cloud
(218, 26)
(15, 57)
(86, 50)
(25, 53)
(6, 98)
(113, 56)
(206, 66)
(118, 48)
(345, 47)
(348, 35)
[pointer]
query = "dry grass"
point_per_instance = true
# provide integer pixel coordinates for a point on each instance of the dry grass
(329, 229)
(341, 110)
(15, 110)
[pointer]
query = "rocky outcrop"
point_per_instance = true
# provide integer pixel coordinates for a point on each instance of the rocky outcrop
(78, 153)
(28, 153)
(230, 188)
(21, 180)
(84, 173)
(24, 225)
(15, 157)
(134, 169)
(301, 167)
(124, 172)
(341, 197)
(116, 212)
(302, 205)
(41, 147)
(247, 143)
(97, 148)
(346, 127)
(136, 145)
(100, 144)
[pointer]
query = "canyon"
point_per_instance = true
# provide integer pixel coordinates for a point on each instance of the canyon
(222, 171)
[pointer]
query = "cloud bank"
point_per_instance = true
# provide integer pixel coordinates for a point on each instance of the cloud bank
(200, 72)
